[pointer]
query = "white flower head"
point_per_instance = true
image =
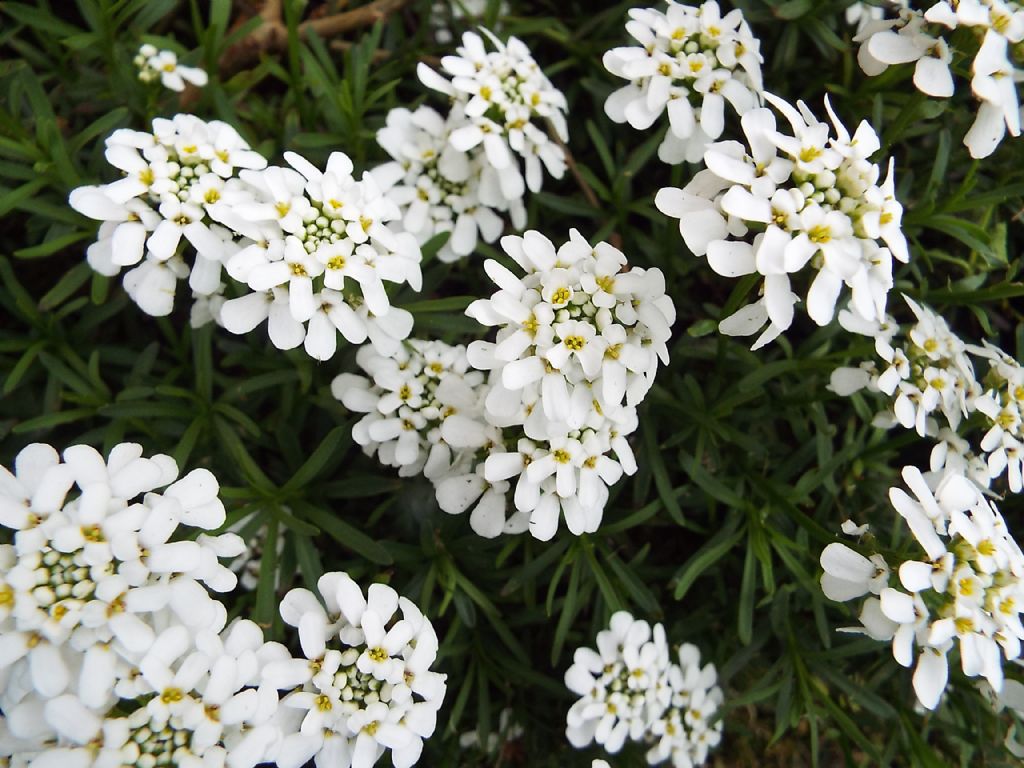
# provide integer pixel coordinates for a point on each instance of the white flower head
(440, 188)
(506, 99)
(577, 347)
(365, 685)
(921, 38)
(968, 566)
(791, 203)
(321, 248)
(172, 179)
(154, 64)
(690, 62)
(631, 690)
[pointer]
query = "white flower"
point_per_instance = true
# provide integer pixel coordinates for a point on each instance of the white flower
(921, 37)
(690, 62)
(786, 202)
(930, 374)
(323, 247)
(970, 571)
(364, 685)
(90, 566)
(577, 348)
(153, 64)
(424, 408)
(630, 689)
(173, 179)
(504, 95)
(440, 188)
(623, 686)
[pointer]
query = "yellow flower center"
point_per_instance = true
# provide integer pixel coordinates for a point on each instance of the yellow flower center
(575, 343)
(561, 296)
(807, 154)
(819, 234)
(171, 695)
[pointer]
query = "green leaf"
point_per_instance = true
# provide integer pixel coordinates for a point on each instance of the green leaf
(328, 450)
(348, 536)
(717, 547)
(265, 611)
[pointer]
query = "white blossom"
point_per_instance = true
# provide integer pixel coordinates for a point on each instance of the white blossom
(967, 565)
(507, 101)
(630, 689)
(319, 248)
(112, 651)
(440, 188)
(154, 64)
(364, 685)
(577, 347)
(921, 37)
(788, 201)
(690, 62)
(423, 406)
(929, 373)
(172, 179)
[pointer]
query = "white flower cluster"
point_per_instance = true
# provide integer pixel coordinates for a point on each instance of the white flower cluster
(425, 413)
(789, 201)
(930, 372)
(154, 64)
(111, 649)
(577, 349)
(506, 100)
(288, 237)
(440, 188)
(365, 684)
(629, 689)
(690, 62)
(423, 406)
(921, 38)
(964, 588)
(317, 249)
(171, 179)
(578, 344)
(112, 652)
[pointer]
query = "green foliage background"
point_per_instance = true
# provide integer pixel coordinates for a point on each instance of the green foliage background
(747, 463)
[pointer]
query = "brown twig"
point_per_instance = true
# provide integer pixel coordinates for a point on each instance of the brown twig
(271, 36)
(574, 169)
(365, 16)
(379, 55)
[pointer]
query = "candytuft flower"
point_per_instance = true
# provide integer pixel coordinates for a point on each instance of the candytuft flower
(154, 64)
(507, 101)
(930, 374)
(961, 587)
(629, 689)
(786, 201)
(365, 685)
(922, 38)
(171, 180)
(440, 188)
(318, 249)
(691, 62)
